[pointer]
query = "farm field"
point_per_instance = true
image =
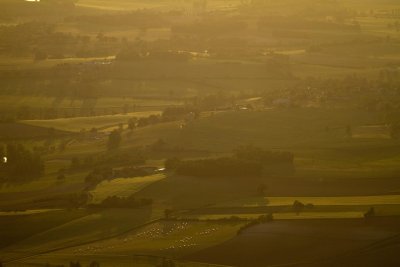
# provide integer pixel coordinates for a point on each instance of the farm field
(90, 228)
(315, 242)
(157, 239)
(99, 122)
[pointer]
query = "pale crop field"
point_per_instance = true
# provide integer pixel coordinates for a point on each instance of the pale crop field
(123, 5)
(79, 123)
(123, 187)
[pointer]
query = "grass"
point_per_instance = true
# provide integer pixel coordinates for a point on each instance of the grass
(123, 187)
(79, 123)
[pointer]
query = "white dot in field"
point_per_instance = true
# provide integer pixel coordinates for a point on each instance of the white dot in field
(4, 159)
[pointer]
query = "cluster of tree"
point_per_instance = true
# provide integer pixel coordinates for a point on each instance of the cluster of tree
(123, 202)
(299, 206)
(19, 163)
(169, 114)
(98, 175)
(260, 220)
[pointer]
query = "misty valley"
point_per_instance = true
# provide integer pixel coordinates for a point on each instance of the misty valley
(193, 133)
